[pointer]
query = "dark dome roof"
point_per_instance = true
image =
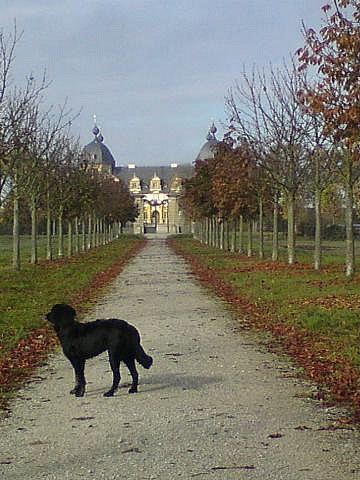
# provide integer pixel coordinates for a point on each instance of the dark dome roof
(97, 152)
(208, 149)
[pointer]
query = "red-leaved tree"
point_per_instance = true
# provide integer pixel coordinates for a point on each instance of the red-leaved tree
(334, 52)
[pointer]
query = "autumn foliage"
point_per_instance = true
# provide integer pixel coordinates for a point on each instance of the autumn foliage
(334, 96)
(225, 185)
(335, 53)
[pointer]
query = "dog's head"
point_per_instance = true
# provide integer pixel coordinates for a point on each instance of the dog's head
(61, 315)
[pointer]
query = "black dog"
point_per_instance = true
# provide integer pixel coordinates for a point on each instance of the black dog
(80, 341)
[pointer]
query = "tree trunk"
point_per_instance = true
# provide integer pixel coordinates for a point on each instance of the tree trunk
(217, 234)
(48, 236)
(241, 235)
(77, 237)
(222, 235)
(60, 235)
(103, 232)
(317, 246)
(291, 228)
(83, 235)
(94, 244)
(250, 239)
(214, 226)
(233, 235)
(349, 200)
(70, 239)
(16, 233)
(34, 243)
(97, 232)
(100, 232)
(210, 231)
(275, 235)
(48, 229)
(227, 232)
(89, 238)
(199, 229)
(261, 229)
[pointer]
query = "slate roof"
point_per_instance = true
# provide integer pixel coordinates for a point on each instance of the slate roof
(166, 174)
(98, 152)
(208, 149)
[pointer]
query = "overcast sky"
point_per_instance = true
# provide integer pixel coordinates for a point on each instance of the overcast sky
(155, 72)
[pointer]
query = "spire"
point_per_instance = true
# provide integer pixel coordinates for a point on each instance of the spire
(95, 129)
(213, 129)
(211, 133)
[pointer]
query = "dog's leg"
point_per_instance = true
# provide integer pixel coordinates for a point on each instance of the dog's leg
(80, 382)
(115, 367)
(130, 363)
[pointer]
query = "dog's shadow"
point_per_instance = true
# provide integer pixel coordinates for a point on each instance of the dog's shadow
(182, 381)
(178, 380)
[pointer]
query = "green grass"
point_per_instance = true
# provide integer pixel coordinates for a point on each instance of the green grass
(25, 296)
(25, 246)
(321, 302)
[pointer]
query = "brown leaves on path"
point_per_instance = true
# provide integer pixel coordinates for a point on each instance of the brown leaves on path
(317, 355)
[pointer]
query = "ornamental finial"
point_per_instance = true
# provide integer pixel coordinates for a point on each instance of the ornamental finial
(95, 130)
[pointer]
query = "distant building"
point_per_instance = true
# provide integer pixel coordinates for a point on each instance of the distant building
(208, 149)
(157, 189)
(97, 154)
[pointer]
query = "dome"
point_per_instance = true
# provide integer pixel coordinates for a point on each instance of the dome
(208, 149)
(98, 153)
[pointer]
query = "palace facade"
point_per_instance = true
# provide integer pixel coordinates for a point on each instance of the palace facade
(156, 189)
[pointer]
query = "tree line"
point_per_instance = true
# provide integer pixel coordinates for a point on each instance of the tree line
(44, 173)
(293, 133)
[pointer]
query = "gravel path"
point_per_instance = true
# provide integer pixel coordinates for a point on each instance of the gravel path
(215, 404)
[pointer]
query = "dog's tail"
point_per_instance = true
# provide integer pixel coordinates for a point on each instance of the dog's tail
(144, 359)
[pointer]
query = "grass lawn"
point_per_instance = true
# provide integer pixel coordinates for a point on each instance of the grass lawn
(26, 296)
(316, 312)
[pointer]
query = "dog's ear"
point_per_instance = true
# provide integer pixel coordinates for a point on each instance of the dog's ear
(70, 311)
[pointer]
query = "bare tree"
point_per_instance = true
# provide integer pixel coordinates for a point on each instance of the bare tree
(322, 172)
(8, 43)
(43, 144)
(18, 129)
(264, 109)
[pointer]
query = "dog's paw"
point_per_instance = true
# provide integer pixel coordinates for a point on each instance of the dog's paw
(73, 391)
(109, 394)
(79, 394)
(133, 390)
